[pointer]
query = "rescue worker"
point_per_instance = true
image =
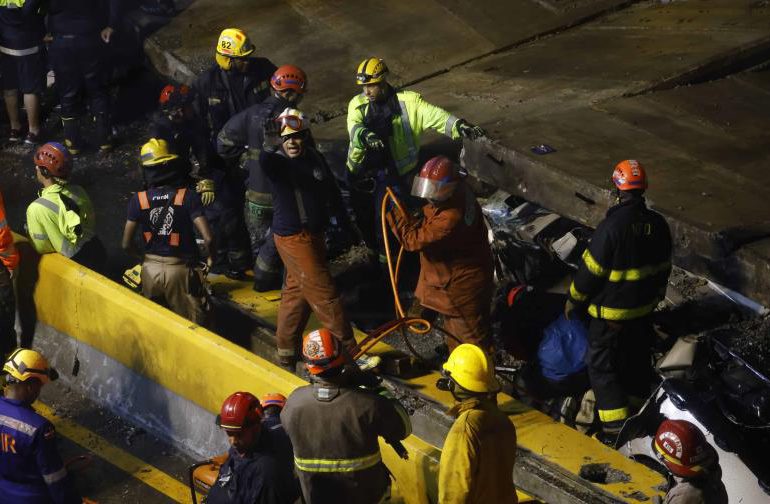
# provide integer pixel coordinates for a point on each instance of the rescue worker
(272, 404)
(9, 261)
(82, 31)
(62, 219)
(168, 214)
(304, 195)
(693, 462)
(456, 267)
(473, 468)
(236, 81)
(621, 279)
(175, 123)
(338, 459)
(22, 64)
(255, 471)
(31, 470)
(243, 135)
(385, 126)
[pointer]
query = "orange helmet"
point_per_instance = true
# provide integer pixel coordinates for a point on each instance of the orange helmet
(273, 399)
(683, 448)
(55, 159)
(289, 77)
(240, 411)
(437, 179)
(629, 175)
(321, 351)
(172, 97)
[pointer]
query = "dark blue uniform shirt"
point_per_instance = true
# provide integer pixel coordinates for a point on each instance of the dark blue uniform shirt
(31, 470)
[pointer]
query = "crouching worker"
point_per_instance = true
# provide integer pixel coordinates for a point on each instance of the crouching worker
(334, 425)
(456, 268)
(256, 472)
(480, 450)
(62, 219)
(168, 213)
(304, 195)
(31, 470)
(693, 463)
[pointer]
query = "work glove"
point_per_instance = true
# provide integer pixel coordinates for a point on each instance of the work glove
(205, 187)
(470, 131)
(372, 141)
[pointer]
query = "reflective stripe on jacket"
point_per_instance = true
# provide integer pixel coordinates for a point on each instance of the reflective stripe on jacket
(54, 228)
(416, 116)
(8, 253)
(478, 456)
(624, 271)
(334, 432)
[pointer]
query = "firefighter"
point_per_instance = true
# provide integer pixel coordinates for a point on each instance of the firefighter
(456, 268)
(22, 64)
(258, 469)
(243, 135)
(62, 219)
(31, 469)
(304, 196)
(338, 459)
(168, 214)
(385, 126)
(9, 261)
(82, 31)
(693, 463)
(234, 82)
(175, 123)
(621, 279)
(272, 404)
(473, 468)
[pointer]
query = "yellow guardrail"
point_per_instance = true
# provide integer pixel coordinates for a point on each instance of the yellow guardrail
(204, 368)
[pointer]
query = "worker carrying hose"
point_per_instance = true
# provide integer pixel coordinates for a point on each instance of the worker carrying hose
(334, 425)
(456, 268)
(385, 126)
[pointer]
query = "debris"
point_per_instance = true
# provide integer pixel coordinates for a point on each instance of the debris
(603, 474)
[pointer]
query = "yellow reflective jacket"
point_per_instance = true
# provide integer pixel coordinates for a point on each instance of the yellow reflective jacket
(55, 228)
(477, 459)
(416, 116)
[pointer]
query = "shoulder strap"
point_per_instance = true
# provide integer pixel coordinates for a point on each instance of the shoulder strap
(144, 203)
(179, 198)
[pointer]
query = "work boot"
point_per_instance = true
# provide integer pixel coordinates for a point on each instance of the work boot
(288, 362)
(609, 433)
(103, 131)
(72, 140)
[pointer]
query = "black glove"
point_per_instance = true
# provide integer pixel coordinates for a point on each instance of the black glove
(470, 131)
(272, 134)
(372, 141)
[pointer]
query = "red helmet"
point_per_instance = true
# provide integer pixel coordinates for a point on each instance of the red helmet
(289, 77)
(683, 448)
(174, 96)
(629, 175)
(437, 179)
(321, 351)
(239, 411)
(55, 158)
(273, 399)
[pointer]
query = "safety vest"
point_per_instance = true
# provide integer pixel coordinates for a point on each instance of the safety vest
(8, 253)
(12, 4)
(416, 115)
(144, 204)
(61, 220)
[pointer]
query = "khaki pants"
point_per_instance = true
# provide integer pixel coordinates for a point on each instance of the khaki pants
(308, 285)
(169, 281)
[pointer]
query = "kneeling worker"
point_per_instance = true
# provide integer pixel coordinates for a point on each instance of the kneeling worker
(167, 212)
(456, 268)
(480, 450)
(31, 469)
(338, 458)
(254, 472)
(62, 219)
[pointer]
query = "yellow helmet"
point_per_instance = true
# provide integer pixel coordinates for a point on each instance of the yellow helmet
(371, 71)
(232, 43)
(24, 364)
(156, 151)
(292, 121)
(470, 368)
